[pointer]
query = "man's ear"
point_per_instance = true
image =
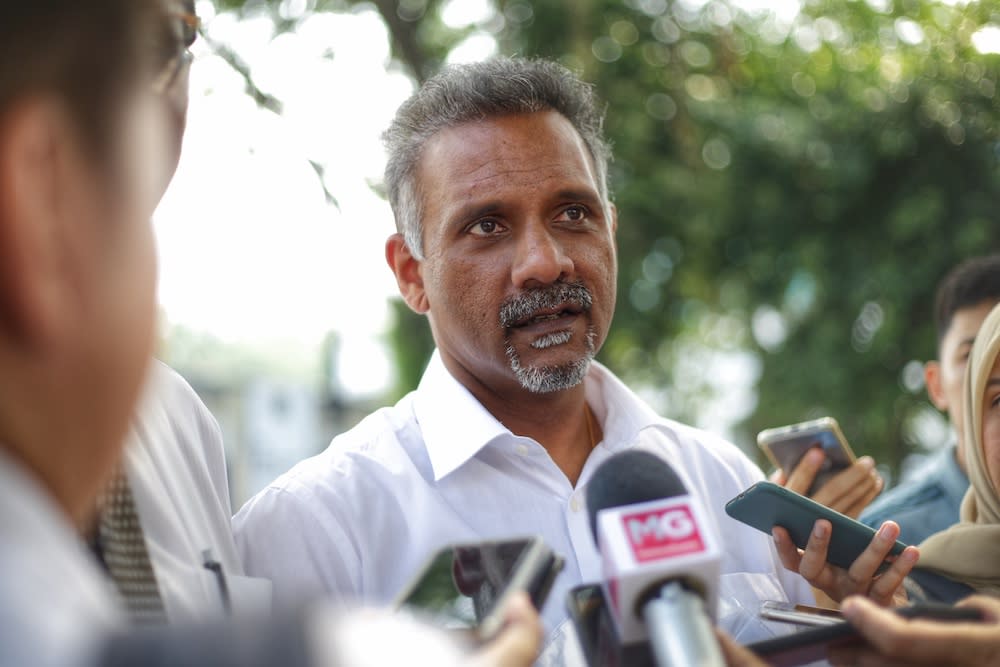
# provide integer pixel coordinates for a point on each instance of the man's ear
(932, 378)
(408, 272)
(613, 212)
(32, 287)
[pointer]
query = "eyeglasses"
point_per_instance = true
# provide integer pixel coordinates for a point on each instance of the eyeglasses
(183, 31)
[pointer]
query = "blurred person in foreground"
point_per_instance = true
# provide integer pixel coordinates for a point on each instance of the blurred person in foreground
(929, 500)
(82, 139)
(497, 177)
(87, 147)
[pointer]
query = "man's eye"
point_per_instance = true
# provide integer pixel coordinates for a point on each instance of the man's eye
(575, 213)
(484, 227)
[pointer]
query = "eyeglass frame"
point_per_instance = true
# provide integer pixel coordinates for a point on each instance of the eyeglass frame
(187, 26)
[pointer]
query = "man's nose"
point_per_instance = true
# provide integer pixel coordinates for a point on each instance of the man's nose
(541, 259)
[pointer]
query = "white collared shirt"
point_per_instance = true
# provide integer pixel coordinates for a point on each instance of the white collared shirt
(358, 520)
(55, 604)
(175, 462)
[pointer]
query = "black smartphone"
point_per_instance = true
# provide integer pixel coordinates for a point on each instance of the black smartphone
(800, 648)
(463, 587)
(765, 505)
(799, 614)
(786, 445)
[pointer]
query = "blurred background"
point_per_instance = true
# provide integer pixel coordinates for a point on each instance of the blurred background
(792, 179)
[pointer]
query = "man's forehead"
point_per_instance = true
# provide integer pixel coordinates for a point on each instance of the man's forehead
(511, 146)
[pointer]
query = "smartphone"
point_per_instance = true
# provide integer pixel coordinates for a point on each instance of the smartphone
(765, 505)
(799, 614)
(806, 646)
(601, 648)
(786, 445)
(463, 587)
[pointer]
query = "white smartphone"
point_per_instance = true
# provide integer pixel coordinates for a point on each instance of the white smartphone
(786, 445)
(799, 614)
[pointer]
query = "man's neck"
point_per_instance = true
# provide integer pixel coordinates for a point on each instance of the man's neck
(561, 422)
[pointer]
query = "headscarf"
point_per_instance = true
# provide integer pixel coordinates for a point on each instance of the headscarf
(969, 551)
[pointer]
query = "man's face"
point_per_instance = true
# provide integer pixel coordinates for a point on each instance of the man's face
(116, 308)
(945, 376)
(519, 273)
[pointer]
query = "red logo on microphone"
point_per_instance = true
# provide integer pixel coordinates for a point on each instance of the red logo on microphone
(662, 533)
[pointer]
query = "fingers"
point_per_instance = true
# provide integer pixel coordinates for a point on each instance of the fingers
(519, 641)
(813, 563)
(854, 510)
(802, 476)
(788, 553)
(989, 606)
(736, 655)
(850, 490)
(887, 589)
(863, 573)
(897, 640)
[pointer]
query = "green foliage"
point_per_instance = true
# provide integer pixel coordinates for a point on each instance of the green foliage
(819, 177)
(791, 190)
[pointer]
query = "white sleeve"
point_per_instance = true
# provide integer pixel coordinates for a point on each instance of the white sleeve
(286, 535)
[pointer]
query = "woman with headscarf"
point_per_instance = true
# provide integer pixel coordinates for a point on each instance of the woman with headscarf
(965, 558)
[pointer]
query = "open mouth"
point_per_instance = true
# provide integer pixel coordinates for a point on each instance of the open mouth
(547, 315)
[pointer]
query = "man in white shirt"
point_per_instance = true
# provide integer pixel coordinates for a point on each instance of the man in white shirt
(497, 178)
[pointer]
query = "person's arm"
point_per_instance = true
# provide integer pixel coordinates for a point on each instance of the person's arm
(848, 492)
(862, 577)
(736, 655)
(892, 640)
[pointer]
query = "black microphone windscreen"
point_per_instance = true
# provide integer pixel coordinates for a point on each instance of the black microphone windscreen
(630, 477)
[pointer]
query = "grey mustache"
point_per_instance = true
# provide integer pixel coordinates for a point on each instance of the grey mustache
(524, 305)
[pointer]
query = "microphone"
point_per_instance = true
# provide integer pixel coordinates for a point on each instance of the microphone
(660, 562)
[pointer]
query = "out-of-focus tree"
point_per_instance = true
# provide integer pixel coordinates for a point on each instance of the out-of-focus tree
(791, 185)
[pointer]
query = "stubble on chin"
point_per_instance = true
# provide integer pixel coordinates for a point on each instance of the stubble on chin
(549, 379)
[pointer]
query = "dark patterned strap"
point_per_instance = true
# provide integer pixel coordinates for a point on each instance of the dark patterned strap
(122, 548)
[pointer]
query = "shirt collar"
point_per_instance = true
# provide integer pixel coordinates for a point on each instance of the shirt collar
(455, 426)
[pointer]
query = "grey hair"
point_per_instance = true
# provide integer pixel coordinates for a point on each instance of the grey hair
(465, 93)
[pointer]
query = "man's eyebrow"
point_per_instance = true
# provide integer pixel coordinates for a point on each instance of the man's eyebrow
(475, 210)
(579, 195)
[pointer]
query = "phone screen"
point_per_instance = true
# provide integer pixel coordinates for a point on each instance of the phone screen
(461, 584)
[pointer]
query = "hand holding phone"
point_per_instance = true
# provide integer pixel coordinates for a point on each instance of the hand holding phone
(786, 446)
(813, 644)
(829, 550)
(464, 586)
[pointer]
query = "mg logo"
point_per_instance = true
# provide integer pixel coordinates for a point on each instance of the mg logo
(662, 533)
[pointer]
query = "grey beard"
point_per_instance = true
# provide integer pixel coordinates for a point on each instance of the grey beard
(548, 379)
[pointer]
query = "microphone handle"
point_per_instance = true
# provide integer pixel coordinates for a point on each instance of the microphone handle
(679, 630)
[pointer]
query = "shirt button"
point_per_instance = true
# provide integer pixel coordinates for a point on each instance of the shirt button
(574, 504)
(522, 449)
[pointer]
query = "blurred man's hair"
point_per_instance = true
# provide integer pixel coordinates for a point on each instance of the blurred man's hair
(466, 93)
(974, 281)
(87, 53)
